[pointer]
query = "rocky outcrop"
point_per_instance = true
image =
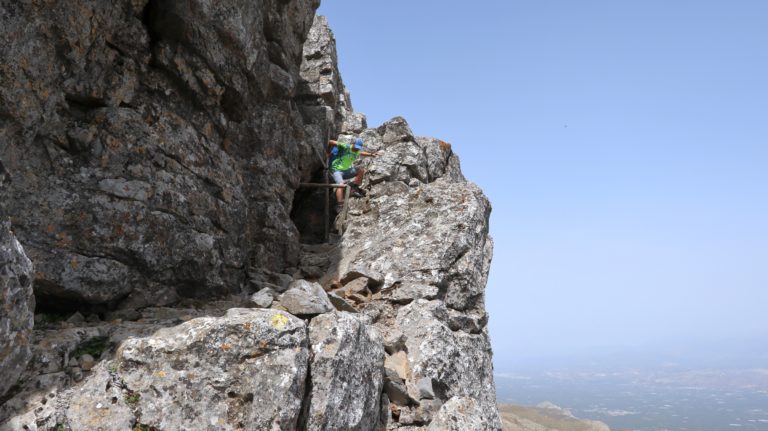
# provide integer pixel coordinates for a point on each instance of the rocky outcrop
(346, 374)
(159, 143)
(17, 306)
(245, 370)
(420, 240)
(162, 145)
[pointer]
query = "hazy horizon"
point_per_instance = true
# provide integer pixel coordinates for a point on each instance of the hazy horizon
(622, 145)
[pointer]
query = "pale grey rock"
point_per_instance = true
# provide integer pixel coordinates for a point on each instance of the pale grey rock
(346, 373)
(17, 306)
(455, 362)
(246, 369)
(426, 391)
(305, 298)
(92, 406)
(463, 414)
(407, 292)
(86, 362)
(262, 298)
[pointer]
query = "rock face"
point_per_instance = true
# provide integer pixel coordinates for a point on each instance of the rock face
(245, 370)
(17, 305)
(162, 145)
(346, 371)
(421, 238)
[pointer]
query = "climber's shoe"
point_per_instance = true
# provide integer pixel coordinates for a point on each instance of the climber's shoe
(356, 191)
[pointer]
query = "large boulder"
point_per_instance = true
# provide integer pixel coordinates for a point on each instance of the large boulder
(346, 373)
(245, 370)
(17, 306)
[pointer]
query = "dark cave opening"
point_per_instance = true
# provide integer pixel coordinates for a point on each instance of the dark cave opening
(308, 210)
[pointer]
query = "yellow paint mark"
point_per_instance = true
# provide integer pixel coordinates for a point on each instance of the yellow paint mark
(279, 321)
(160, 374)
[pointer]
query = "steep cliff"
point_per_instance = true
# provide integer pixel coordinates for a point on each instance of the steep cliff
(152, 161)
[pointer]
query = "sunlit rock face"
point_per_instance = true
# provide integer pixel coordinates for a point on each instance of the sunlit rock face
(152, 160)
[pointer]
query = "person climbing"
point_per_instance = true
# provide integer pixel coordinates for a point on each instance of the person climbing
(343, 156)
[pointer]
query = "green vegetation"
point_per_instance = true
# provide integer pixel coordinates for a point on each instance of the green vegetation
(132, 398)
(142, 427)
(48, 320)
(93, 346)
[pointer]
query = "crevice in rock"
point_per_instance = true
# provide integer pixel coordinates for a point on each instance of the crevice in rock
(84, 103)
(305, 400)
(233, 105)
(147, 19)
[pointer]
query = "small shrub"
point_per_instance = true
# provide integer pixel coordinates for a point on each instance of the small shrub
(132, 398)
(93, 346)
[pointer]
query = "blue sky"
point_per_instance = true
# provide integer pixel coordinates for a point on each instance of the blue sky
(622, 144)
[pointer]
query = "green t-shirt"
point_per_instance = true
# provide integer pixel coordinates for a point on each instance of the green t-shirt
(345, 158)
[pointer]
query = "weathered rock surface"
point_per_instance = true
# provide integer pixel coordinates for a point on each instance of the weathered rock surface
(159, 143)
(346, 373)
(422, 233)
(162, 145)
(305, 298)
(17, 305)
(245, 370)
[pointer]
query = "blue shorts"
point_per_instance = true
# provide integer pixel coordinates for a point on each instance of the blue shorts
(340, 176)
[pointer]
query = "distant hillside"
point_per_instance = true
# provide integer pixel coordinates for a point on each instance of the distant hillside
(545, 417)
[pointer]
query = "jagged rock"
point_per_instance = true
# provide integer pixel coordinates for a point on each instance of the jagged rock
(158, 142)
(407, 292)
(305, 298)
(420, 414)
(340, 303)
(454, 362)
(358, 286)
(398, 363)
(346, 373)
(321, 86)
(394, 341)
(462, 414)
(244, 370)
(270, 280)
(161, 145)
(17, 305)
(394, 388)
(262, 298)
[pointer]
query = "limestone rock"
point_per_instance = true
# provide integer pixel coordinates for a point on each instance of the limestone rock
(246, 369)
(346, 373)
(305, 298)
(262, 298)
(17, 305)
(444, 363)
(462, 414)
